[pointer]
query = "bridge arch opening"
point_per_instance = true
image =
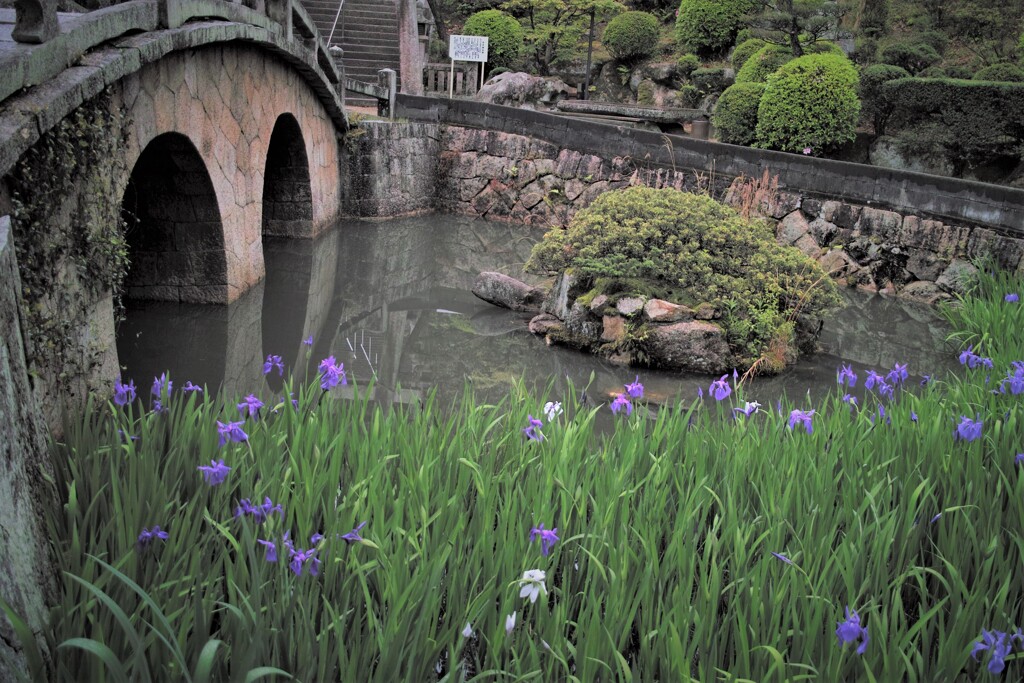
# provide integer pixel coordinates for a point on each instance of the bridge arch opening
(287, 196)
(175, 236)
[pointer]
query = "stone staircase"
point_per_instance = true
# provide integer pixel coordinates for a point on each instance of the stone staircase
(368, 33)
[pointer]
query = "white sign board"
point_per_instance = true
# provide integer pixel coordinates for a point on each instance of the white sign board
(467, 48)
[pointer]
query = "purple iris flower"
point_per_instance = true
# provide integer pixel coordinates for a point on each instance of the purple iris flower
(271, 553)
(851, 399)
(332, 373)
(720, 388)
(850, 630)
(161, 383)
(231, 431)
(308, 341)
(998, 644)
(968, 429)
(1012, 298)
(881, 415)
(215, 473)
(782, 558)
(124, 393)
(973, 360)
(148, 536)
(898, 374)
(935, 518)
(250, 405)
(1019, 460)
(925, 379)
(189, 388)
(316, 538)
(802, 417)
(304, 558)
(548, 537)
(622, 403)
(273, 362)
(887, 390)
(1014, 379)
(913, 416)
(846, 376)
(353, 536)
(532, 429)
(635, 390)
(873, 378)
(260, 511)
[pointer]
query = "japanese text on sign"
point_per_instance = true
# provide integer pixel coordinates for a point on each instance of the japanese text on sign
(467, 48)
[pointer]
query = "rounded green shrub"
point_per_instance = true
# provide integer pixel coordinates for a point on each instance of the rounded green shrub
(936, 39)
(932, 72)
(735, 116)
(687, 64)
(809, 102)
(745, 51)
(713, 80)
(914, 57)
(697, 249)
(710, 26)
(632, 36)
(505, 36)
(763, 63)
(875, 106)
(1005, 72)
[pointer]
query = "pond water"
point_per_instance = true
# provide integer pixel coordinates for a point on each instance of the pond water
(391, 299)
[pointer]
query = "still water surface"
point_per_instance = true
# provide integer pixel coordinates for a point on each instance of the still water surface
(391, 299)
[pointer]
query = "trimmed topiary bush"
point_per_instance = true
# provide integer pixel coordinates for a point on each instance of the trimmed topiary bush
(505, 36)
(1003, 73)
(763, 63)
(931, 72)
(692, 249)
(735, 116)
(632, 36)
(710, 26)
(875, 107)
(745, 51)
(914, 57)
(687, 64)
(809, 102)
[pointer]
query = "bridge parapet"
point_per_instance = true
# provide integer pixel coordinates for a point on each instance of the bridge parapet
(50, 41)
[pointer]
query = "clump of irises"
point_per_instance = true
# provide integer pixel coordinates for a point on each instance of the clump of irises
(998, 645)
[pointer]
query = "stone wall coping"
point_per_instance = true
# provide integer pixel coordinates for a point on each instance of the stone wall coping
(950, 199)
(25, 117)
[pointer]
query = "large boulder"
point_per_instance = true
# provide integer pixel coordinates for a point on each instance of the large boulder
(507, 292)
(694, 346)
(522, 90)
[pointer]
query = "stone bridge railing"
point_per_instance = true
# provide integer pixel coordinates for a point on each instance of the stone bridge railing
(97, 48)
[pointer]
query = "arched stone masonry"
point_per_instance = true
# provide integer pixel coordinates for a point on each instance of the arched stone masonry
(287, 199)
(175, 236)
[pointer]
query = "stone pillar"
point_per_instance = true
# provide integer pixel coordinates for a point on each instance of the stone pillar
(411, 57)
(35, 21)
(387, 80)
(27, 572)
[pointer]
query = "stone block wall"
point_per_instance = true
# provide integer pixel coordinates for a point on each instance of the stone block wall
(523, 179)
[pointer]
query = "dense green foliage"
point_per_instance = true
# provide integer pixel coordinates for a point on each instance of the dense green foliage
(667, 526)
(763, 63)
(700, 248)
(809, 102)
(631, 36)
(553, 29)
(711, 80)
(709, 26)
(504, 34)
(1004, 72)
(795, 24)
(735, 116)
(874, 17)
(912, 56)
(744, 51)
(875, 106)
(687, 64)
(969, 122)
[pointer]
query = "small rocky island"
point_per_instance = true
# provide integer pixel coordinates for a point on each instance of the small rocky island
(671, 279)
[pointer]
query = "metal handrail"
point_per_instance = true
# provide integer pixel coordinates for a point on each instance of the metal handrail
(336, 17)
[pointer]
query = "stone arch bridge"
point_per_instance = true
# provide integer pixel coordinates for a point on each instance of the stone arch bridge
(231, 116)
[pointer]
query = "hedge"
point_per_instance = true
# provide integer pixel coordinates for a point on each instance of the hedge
(1005, 72)
(874, 106)
(710, 26)
(745, 51)
(967, 121)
